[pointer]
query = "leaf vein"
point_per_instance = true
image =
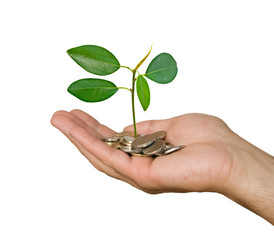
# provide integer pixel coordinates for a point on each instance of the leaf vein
(90, 88)
(162, 69)
(98, 60)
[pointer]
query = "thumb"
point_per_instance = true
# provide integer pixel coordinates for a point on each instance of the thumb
(148, 127)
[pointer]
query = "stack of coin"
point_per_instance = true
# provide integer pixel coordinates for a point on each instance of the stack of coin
(144, 145)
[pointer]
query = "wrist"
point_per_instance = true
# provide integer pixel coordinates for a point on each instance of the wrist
(251, 182)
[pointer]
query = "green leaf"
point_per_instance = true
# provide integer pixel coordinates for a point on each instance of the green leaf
(94, 59)
(162, 69)
(143, 92)
(92, 89)
(142, 61)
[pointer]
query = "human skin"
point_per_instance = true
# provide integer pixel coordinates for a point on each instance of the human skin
(214, 159)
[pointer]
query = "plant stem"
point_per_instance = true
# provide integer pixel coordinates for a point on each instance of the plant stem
(126, 67)
(125, 88)
(132, 102)
(133, 88)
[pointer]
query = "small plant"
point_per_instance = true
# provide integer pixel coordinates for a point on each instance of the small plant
(98, 60)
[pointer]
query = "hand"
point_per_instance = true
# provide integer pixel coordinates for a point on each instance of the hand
(213, 159)
(202, 165)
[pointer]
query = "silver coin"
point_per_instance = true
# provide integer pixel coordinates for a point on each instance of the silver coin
(154, 148)
(159, 134)
(129, 149)
(144, 145)
(111, 139)
(171, 149)
(136, 150)
(143, 141)
(129, 139)
(168, 146)
(125, 148)
(122, 141)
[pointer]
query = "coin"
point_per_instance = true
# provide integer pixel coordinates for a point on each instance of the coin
(129, 139)
(123, 142)
(111, 139)
(171, 149)
(159, 134)
(138, 154)
(151, 145)
(113, 144)
(143, 141)
(129, 149)
(125, 148)
(154, 148)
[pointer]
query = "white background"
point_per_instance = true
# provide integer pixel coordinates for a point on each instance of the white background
(48, 190)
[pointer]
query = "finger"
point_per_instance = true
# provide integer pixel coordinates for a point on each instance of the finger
(68, 114)
(149, 126)
(79, 122)
(65, 124)
(92, 145)
(114, 170)
(102, 151)
(135, 173)
(99, 165)
(93, 123)
(105, 169)
(135, 169)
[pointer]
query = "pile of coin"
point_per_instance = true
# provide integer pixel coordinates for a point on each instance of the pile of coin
(144, 145)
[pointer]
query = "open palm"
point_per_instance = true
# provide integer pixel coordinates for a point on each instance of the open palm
(204, 164)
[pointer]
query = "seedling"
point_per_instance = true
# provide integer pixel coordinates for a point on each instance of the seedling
(99, 61)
